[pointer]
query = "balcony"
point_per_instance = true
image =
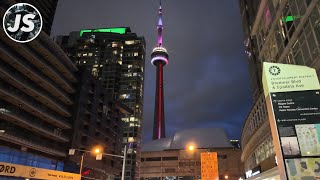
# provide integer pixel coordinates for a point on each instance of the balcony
(32, 56)
(31, 144)
(12, 96)
(48, 55)
(55, 55)
(27, 86)
(32, 73)
(24, 120)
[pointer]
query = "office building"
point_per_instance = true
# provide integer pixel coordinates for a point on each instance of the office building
(171, 158)
(116, 57)
(282, 32)
(35, 97)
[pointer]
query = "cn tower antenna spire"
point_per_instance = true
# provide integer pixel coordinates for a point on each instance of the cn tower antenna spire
(160, 27)
(159, 58)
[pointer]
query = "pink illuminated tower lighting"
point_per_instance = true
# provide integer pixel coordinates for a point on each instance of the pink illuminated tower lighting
(159, 58)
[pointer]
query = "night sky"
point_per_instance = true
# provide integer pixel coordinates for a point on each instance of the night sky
(206, 83)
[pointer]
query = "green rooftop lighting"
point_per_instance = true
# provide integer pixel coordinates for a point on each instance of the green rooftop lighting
(109, 30)
(290, 18)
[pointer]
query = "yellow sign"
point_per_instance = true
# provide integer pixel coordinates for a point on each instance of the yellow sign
(287, 77)
(15, 170)
(209, 166)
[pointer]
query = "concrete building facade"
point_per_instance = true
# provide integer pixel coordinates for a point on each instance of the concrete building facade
(170, 159)
(37, 83)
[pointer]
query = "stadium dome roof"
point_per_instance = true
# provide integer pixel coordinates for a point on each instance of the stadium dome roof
(201, 138)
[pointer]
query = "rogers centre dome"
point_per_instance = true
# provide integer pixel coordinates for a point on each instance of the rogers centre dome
(202, 138)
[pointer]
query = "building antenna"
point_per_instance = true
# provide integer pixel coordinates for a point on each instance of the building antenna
(160, 27)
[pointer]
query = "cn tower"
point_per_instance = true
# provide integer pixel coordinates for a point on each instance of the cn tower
(159, 58)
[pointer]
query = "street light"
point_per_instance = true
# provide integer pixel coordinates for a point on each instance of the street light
(191, 148)
(98, 151)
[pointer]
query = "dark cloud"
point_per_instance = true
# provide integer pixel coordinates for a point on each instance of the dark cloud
(206, 80)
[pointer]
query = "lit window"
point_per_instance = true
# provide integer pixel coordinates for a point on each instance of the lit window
(132, 119)
(125, 96)
(129, 66)
(90, 54)
(3, 110)
(114, 45)
(129, 42)
(84, 54)
(130, 139)
(136, 54)
(131, 124)
(134, 74)
(125, 119)
(120, 62)
(84, 62)
(95, 72)
(115, 52)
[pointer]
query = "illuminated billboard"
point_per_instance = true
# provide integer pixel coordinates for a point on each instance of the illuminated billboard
(209, 166)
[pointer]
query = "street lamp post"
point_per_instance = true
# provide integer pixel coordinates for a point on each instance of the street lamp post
(124, 162)
(97, 151)
(81, 162)
(191, 148)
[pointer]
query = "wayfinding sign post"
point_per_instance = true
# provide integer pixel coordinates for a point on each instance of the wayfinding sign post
(293, 101)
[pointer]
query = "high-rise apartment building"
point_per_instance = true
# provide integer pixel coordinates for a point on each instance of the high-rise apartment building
(35, 97)
(96, 124)
(286, 31)
(116, 57)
